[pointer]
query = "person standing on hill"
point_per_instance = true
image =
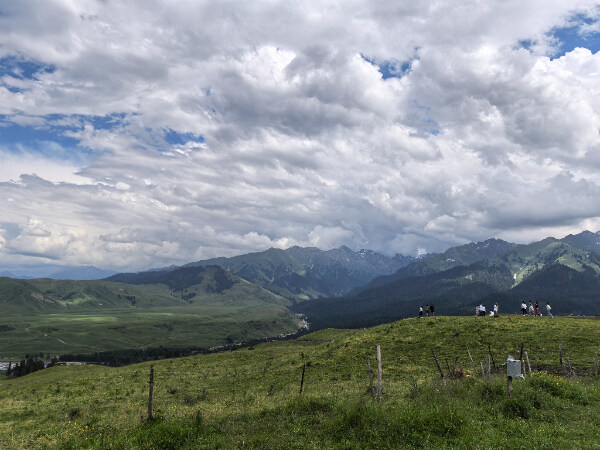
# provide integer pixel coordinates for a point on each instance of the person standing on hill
(420, 312)
(431, 309)
(531, 311)
(524, 308)
(537, 308)
(549, 309)
(496, 309)
(426, 310)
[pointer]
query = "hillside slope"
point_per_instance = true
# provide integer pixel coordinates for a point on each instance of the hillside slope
(251, 397)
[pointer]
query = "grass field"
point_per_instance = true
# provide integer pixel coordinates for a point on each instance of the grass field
(204, 324)
(250, 397)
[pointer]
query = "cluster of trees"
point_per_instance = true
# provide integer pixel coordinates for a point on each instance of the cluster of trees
(118, 358)
(124, 357)
(28, 365)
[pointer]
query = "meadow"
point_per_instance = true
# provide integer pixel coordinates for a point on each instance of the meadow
(250, 397)
(205, 324)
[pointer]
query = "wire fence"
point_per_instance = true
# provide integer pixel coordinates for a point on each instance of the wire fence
(469, 361)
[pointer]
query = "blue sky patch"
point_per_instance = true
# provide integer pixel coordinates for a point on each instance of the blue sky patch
(392, 69)
(12, 134)
(527, 44)
(571, 36)
(50, 138)
(23, 69)
(175, 138)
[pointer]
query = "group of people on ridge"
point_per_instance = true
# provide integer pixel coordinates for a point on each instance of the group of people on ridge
(428, 310)
(534, 310)
(481, 310)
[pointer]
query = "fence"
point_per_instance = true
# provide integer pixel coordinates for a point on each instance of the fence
(296, 378)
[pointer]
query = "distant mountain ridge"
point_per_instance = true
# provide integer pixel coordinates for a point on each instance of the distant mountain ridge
(564, 271)
(462, 255)
(180, 287)
(302, 273)
(585, 240)
(81, 273)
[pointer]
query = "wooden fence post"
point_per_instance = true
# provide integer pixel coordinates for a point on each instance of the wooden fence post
(437, 362)
(509, 386)
(491, 356)
(528, 365)
(521, 354)
(487, 361)
(472, 363)
(150, 392)
(482, 369)
(302, 379)
(560, 354)
(571, 371)
(379, 374)
(371, 387)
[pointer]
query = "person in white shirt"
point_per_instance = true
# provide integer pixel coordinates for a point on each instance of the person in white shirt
(524, 308)
(496, 310)
(549, 309)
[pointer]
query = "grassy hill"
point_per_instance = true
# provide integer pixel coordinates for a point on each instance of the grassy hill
(194, 307)
(250, 397)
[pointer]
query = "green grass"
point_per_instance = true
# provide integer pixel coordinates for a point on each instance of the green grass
(204, 324)
(249, 398)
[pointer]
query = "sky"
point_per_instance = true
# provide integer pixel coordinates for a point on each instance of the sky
(146, 133)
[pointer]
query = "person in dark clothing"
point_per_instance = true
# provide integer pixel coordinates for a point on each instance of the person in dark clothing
(431, 310)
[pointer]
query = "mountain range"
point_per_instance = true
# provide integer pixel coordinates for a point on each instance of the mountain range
(334, 288)
(60, 273)
(564, 272)
(302, 273)
(181, 287)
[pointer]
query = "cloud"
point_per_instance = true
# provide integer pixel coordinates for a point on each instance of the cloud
(287, 132)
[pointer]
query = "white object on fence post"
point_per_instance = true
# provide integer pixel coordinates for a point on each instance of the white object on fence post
(513, 370)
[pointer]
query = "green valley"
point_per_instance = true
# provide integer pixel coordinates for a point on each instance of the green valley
(197, 307)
